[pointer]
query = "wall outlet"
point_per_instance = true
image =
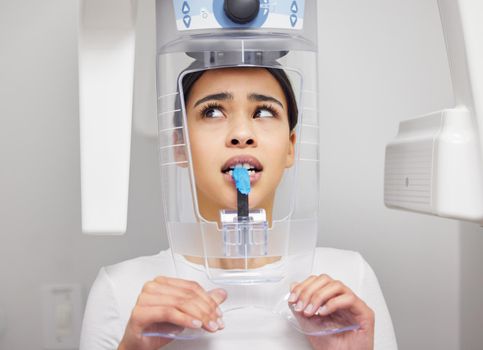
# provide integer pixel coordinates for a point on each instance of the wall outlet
(61, 315)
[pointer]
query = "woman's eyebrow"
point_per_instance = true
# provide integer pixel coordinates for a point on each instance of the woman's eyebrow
(263, 98)
(217, 97)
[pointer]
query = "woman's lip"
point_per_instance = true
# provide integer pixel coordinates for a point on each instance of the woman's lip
(242, 159)
(253, 177)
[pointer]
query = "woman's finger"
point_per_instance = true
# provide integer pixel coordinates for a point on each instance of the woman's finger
(219, 295)
(363, 315)
(153, 293)
(198, 308)
(306, 295)
(142, 317)
(190, 286)
(297, 288)
(187, 297)
(322, 295)
(194, 306)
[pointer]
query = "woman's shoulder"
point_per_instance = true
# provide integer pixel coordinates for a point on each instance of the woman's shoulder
(345, 265)
(328, 254)
(142, 268)
(120, 284)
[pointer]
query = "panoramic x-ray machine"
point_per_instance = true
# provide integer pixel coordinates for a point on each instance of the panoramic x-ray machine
(434, 165)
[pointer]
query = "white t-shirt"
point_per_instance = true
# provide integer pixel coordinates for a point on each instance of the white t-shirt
(116, 289)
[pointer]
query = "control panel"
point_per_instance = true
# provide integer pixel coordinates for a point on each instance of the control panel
(238, 14)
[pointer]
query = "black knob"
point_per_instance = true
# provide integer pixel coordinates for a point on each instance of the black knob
(241, 11)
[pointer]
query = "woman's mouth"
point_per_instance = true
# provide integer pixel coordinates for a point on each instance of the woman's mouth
(251, 170)
(253, 166)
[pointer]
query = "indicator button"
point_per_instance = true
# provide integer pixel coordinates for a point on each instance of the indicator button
(187, 21)
(186, 8)
(241, 11)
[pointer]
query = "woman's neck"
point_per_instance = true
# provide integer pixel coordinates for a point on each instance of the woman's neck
(233, 263)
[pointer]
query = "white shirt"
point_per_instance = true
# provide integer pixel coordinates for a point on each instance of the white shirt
(116, 289)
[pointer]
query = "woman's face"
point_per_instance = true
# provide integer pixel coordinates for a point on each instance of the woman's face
(238, 116)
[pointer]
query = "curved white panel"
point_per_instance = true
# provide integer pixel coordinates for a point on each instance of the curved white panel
(106, 71)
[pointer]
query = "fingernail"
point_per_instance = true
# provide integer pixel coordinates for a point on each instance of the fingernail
(308, 309)
(197, 323)
(299, 306)
(292, 298)
(322, 310)
(218, 312)
(220, 323)
(213, 326)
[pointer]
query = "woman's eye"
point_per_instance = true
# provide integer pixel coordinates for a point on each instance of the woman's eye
(264, 113)
(213, 113)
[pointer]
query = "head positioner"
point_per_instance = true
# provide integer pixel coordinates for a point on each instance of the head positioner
(197, 36)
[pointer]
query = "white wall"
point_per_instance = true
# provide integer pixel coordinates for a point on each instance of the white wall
(381, 61)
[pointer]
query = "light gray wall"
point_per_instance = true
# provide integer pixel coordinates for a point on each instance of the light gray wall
(471, 281)
(381, 61)
(40, 240)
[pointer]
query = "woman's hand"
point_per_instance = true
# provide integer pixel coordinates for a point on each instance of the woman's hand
(174, 301)
(321, 296)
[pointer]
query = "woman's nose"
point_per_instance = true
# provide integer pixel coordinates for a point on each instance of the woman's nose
(241, 136)
(242, 142)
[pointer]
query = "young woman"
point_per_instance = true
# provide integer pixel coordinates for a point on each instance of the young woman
(235, 115)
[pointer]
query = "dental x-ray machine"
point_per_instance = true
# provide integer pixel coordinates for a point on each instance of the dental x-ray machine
(433, 166)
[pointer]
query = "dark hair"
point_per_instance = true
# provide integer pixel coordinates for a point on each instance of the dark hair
(279, 74)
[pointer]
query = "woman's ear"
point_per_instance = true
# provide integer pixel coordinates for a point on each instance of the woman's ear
(291, 149)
